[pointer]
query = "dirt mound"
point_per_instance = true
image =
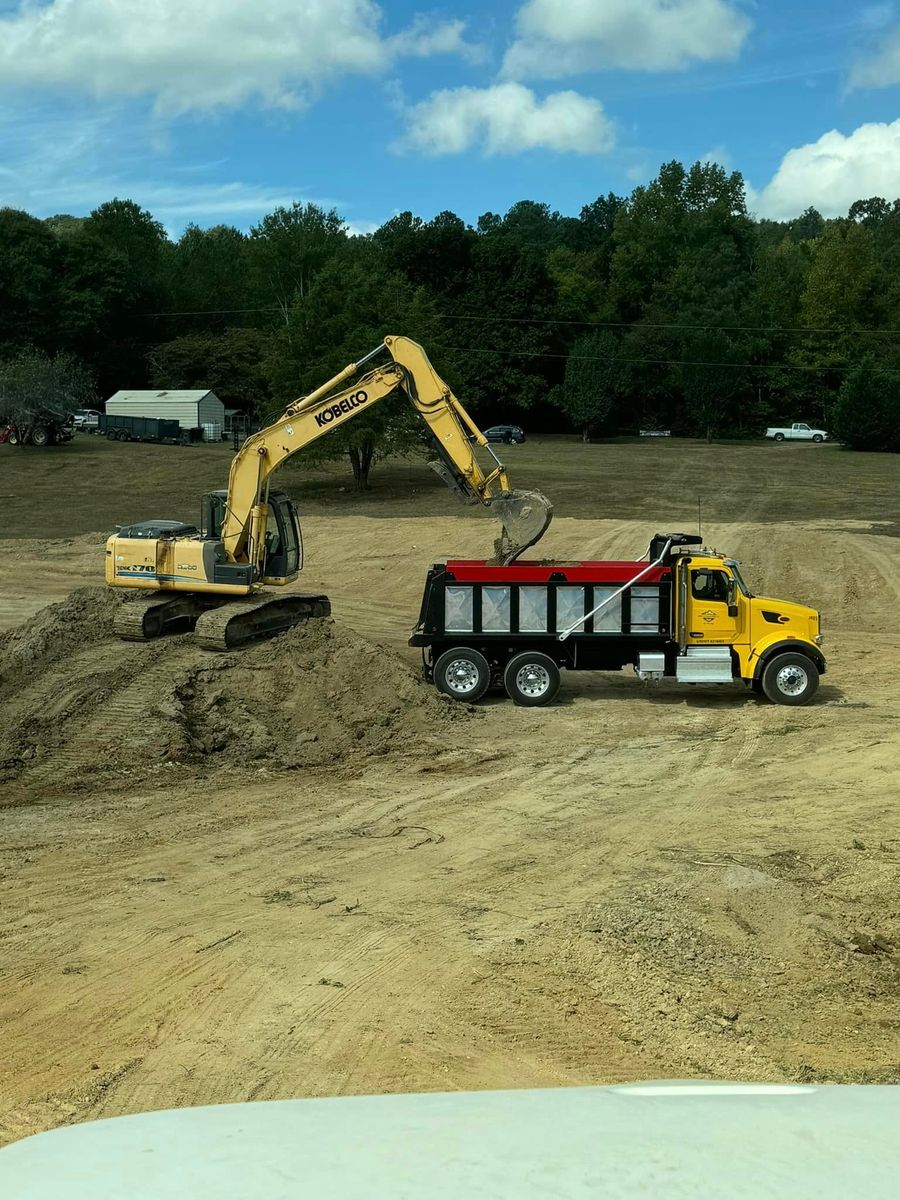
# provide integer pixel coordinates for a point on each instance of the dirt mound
(78, 704)
(84, 617)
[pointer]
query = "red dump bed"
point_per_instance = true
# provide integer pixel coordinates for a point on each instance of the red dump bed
(474, 571)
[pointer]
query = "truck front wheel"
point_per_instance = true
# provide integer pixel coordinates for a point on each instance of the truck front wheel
(790, 679)
(462, 674)
(40, 436)
(531, 679)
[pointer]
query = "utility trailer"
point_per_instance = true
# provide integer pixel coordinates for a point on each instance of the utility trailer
(683, 613)
(141, 429)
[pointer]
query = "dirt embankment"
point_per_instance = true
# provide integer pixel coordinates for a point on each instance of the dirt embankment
(78, 705)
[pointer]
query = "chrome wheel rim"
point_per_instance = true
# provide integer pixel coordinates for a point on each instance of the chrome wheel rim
(792, 680)
(461, 676)
(533, 680)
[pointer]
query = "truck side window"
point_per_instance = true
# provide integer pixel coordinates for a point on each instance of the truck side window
(709, 585)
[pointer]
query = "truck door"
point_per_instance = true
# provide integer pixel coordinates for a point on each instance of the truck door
(800, 431)
(710, 619)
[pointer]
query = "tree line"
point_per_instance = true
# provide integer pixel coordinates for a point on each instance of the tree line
(668, 308)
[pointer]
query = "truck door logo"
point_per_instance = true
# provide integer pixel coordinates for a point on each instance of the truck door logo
(336, 411)
(709, 616)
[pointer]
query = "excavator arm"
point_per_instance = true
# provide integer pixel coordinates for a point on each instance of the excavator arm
(524, 516)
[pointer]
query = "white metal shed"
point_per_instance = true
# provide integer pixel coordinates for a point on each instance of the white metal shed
(192, 410)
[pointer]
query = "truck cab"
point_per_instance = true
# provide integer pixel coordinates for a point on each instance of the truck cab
(715, 609)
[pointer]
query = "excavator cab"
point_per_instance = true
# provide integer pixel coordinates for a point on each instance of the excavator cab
(284, 542)
(282, 557)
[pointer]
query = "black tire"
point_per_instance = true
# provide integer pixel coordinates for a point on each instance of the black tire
(462, 674)
(817, 437)
(110, 435)
(779, 437)
(531, 679)
(13, 439)
(40, 436)
(790, 679)
(122, 436)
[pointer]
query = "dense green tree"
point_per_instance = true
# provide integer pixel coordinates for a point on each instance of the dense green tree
(808, 226)
(230, 363)
(721, 324)
(289, 247)
(210, 275)
(29, 262)
(594, 382)
(351, 305)
(866, 412)
(35, 384)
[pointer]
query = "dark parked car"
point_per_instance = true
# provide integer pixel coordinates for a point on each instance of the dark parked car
(505, 433)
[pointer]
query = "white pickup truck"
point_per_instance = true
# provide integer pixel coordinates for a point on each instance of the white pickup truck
(798, 432)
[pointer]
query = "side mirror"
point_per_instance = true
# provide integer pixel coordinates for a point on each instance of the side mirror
(731, 596)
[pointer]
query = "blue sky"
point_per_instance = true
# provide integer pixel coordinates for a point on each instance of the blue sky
(218, 110)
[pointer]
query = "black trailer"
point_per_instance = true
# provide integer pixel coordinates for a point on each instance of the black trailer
(142, 429)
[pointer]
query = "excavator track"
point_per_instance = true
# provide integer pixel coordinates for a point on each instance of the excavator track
(147, 618)
(234, 625)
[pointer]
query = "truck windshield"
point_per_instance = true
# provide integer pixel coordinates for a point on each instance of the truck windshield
(736, 571)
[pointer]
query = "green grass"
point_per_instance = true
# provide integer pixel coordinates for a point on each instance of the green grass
(93, 484)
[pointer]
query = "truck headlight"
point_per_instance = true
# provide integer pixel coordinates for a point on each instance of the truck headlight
(819, 639)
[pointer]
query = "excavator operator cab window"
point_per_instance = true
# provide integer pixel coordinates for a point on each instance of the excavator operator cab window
(273, 537)
(709, 586)
(284, 555)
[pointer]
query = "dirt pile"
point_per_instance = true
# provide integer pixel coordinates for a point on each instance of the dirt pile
(78, 707)
(84, 617)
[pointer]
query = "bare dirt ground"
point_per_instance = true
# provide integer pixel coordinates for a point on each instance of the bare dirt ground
(294, 872)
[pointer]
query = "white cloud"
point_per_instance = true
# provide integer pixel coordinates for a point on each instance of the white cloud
(578, 36)
(833, 172)
(719, 156)
(195, 55)
(882, 69)
(506, 119)
(423, 39)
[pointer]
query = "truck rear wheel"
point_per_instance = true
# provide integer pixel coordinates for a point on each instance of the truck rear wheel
(790, 679)
(531, 679)
(462, 674)
(40, 435)
(779, 437)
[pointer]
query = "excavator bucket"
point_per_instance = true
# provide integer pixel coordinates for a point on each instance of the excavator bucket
(525, 517)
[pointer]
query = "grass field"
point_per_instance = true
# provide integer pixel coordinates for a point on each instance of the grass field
(93, 484)
(630, 883)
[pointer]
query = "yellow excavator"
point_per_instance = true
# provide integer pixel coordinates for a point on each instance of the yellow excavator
(216, 579)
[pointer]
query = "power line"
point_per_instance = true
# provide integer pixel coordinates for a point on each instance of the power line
(668, 362)
(664, 325)
(219, 312)
(214, 312)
